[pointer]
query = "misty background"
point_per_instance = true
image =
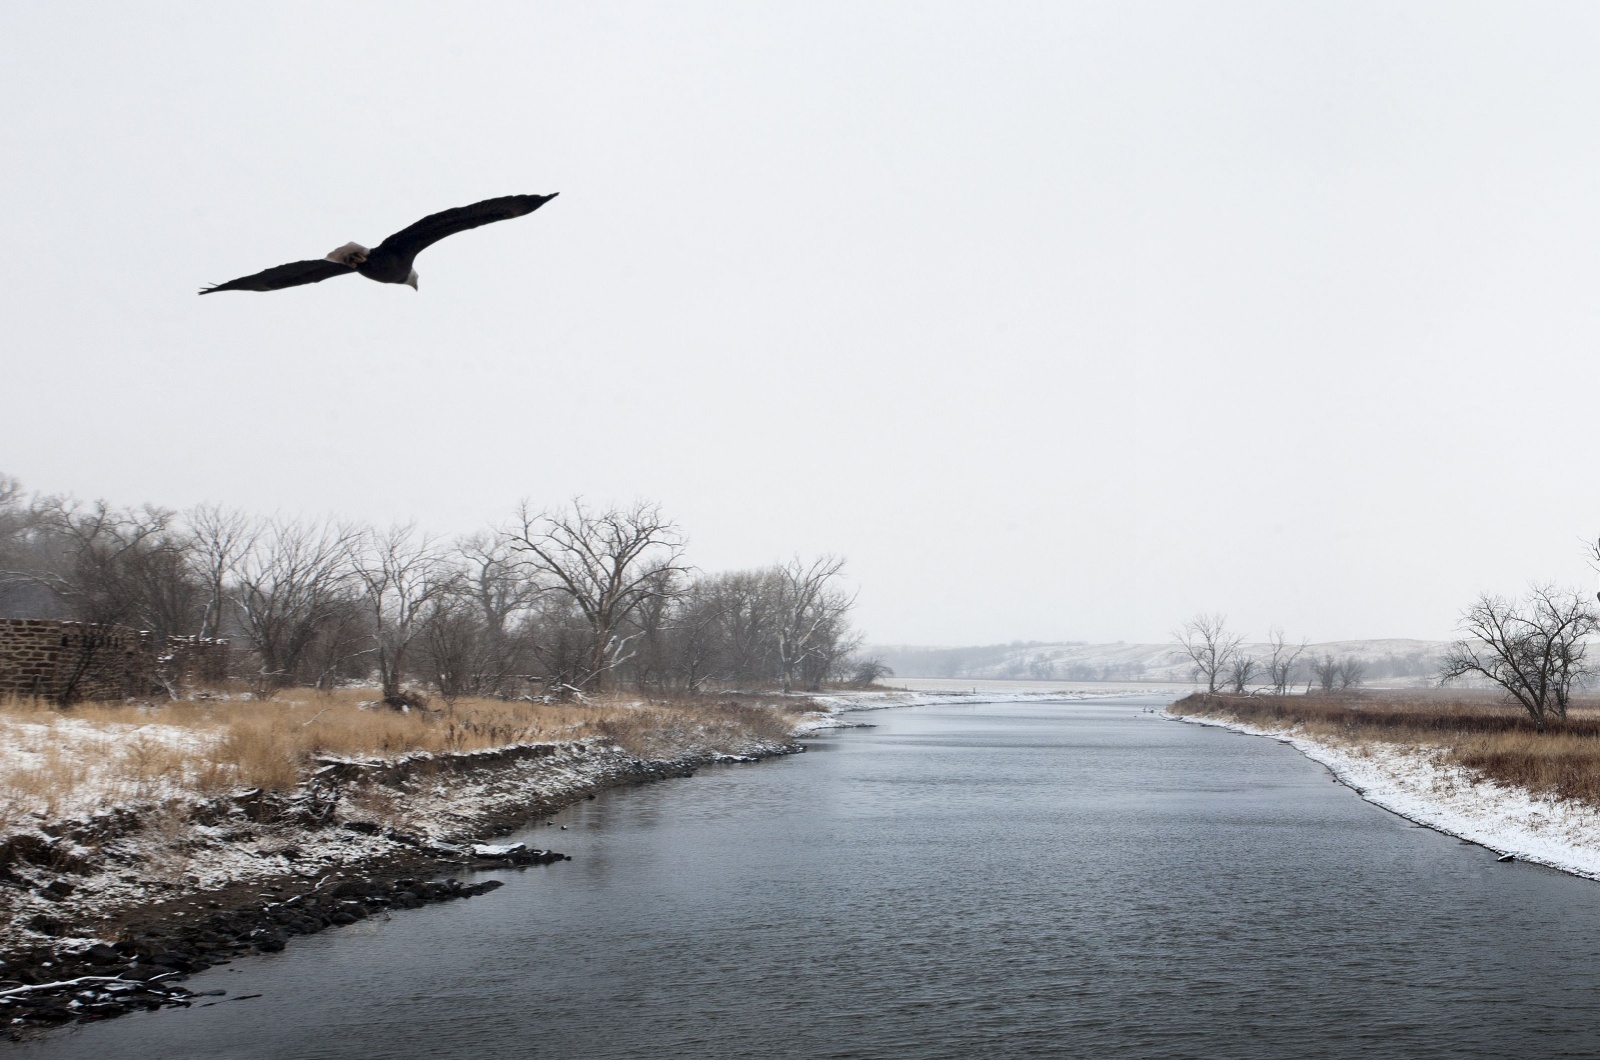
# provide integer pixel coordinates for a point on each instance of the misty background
(1061, 322)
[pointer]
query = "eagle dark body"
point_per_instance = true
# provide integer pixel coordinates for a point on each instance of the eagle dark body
(390, 261)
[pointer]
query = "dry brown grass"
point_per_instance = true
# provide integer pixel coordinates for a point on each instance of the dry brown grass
(1478, 731)
(57, 762)
(664, 731)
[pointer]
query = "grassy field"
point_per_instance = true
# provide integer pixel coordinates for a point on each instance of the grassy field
(56, 762)
(1476, 730)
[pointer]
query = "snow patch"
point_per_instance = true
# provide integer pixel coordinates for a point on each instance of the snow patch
(1422, 785)
(498, 850)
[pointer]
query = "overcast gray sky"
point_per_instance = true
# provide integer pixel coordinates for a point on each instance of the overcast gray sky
(1058, 320)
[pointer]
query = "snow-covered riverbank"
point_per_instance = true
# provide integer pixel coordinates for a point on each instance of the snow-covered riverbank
(111, 875)
(104, 843)
(1420, 784)
(147, 881)
(70, 882)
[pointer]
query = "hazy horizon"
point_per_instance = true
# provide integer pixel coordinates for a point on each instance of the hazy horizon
(1061, 322)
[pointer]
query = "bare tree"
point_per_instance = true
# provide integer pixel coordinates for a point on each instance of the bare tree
(1206, 642)
(495, 578)
(743, 640)
(1351, 672)
(291, 588)
(26, 551)
(402, 573)
(339, 648)
(1242, 669)
(559, 641)
(1280, 665)
(458, 650)
(869, 671)
(17, 522)
(810, 614)
(1535, 649)
(112, 566)
(218, 540)
(608, 563)
(500, 592)
(110, 569)
(700, 649)
(654, 633)
(574, 598)
(1325, 671)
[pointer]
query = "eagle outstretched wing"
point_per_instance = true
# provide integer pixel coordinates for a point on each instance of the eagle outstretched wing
(280, 276)
(414, 239)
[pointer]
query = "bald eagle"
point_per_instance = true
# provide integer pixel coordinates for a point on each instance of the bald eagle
(390, 261)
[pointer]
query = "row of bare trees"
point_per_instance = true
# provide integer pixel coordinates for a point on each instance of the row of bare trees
(1218, 657)
(1533, 648)
(557, 601)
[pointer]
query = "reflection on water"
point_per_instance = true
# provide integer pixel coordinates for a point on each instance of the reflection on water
(1038, 880)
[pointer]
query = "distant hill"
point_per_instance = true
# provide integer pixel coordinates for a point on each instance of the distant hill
(1386, 661)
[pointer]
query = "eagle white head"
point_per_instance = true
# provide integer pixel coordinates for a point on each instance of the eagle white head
(412, 279)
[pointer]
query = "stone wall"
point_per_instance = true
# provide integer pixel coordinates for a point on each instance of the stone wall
(188, 662)
(65, 661)
(30, 650)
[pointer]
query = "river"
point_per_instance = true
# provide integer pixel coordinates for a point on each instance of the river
(1003, 880)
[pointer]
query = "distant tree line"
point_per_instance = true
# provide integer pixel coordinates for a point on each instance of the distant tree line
(1533, 648)
(1322, 666)
(1217, 656)
(556, 602)
(1003, 659)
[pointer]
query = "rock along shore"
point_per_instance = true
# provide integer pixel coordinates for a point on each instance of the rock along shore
(110, 914)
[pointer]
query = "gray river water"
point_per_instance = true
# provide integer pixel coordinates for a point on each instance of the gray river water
(1005, 880)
